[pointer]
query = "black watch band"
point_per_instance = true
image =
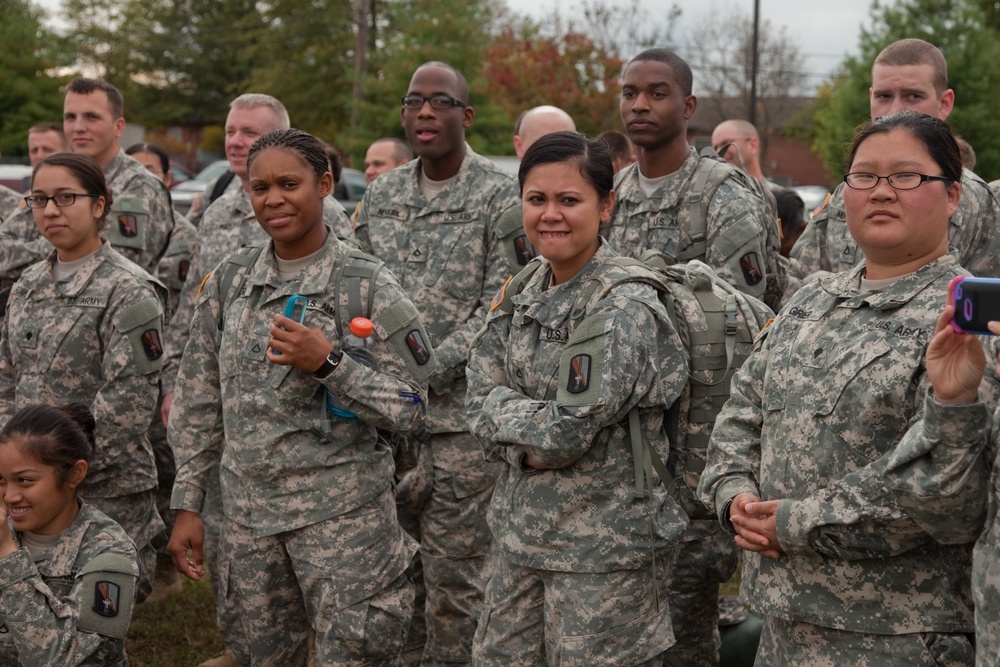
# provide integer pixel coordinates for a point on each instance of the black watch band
(329, 364)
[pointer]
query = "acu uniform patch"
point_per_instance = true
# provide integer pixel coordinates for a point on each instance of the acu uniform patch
(415, 341)
(109, 586)
(750, 265)
(151, 344)
(107, 595)
(499, 296)
(130, 219)
(579, 374)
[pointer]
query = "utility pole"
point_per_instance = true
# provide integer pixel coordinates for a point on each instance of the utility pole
(753, 64)
(360, 61)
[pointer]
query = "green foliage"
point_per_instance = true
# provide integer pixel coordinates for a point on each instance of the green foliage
(30, 93)
(410, 33)
(970, 41)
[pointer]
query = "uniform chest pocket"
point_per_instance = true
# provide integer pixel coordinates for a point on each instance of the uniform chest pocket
(664, 235)
(867, 397)
(456, 256)
(37, 355)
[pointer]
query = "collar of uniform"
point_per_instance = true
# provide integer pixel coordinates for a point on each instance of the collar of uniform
(315, 279)
(242, 206)
(551, 306)
(79, 280)
(456, 195)
(69, 545)
(844, 284)
(116, 164)
(664, 196)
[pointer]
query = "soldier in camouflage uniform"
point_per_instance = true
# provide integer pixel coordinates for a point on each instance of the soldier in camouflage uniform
(172, 272)
(842, 571)
(142, 220)
(583, 555)
(941, 471)
(310, 538)
(10, 201)
(90, 331)
(653, 212)
(440, 223)
(909, 74)
(68, 572)
(738, 239)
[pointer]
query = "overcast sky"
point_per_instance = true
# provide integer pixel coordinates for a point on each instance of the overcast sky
(825, 32)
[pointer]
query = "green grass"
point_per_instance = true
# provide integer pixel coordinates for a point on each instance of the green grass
(176, 632)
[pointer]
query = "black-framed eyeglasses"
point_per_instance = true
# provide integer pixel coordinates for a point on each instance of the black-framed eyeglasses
(61, 200)
(439, 102)
(904, 180)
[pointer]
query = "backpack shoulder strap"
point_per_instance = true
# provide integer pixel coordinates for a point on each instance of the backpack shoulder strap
(237, 264)
(503, 301)
(353, 279)
(697, 209)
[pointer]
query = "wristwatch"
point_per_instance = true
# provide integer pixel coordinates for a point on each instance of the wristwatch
(329, 364)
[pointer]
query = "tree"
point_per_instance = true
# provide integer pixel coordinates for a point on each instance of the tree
(305, 61)
(720, 52)
(526, 69)
(410, 33)
(30, 93)
(970, 43)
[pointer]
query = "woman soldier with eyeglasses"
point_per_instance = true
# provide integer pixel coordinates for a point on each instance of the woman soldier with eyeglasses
(842, 573)
(84, 325)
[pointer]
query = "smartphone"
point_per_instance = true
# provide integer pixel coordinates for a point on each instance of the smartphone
(976, 302)
(295, 308)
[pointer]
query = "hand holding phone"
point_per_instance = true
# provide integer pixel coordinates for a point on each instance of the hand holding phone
(976, 302)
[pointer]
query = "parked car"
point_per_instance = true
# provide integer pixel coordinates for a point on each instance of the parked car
(15, 176)
(812, 196)
(184, 193)
(350, 189)
(179, 174)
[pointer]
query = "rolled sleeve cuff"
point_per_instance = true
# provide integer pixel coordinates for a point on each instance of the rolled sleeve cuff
(187, 497)
(792, 539)
(960, 425)
(725, 494)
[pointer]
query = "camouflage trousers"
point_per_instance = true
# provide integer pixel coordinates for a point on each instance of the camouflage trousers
(344, 578)
(541, 618)
(442, 503)
(166, 471)
(136, 514)
(707, 557)
(784, 643)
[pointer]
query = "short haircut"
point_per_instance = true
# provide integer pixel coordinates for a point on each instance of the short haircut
(401, 150)
(744, 127)
(462, 93)
(682, 71)
(254, 100)
(619, 143)
(914, 51)
(82, 86)
(41, 128)
(591, 156)
(155, 150)
(309, 149)
(933, 133)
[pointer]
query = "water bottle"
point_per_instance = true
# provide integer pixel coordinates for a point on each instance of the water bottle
(355, 345)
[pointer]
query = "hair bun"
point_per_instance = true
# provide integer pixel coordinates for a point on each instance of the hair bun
(81, 414)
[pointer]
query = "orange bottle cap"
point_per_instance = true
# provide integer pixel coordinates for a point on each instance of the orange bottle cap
(362, 327)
